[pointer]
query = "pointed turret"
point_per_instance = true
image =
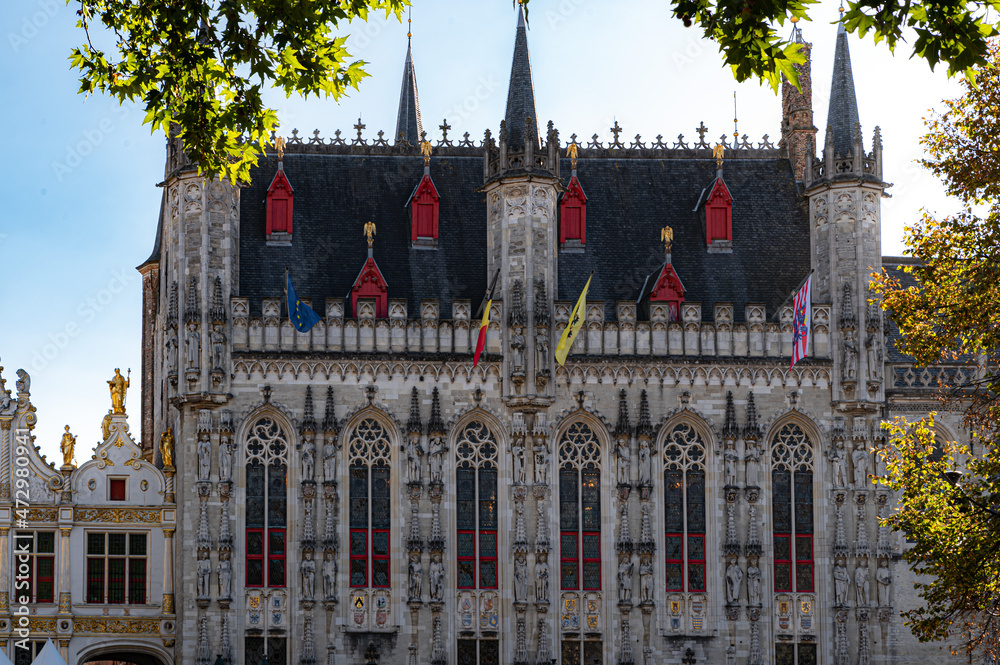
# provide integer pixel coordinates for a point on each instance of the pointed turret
(624, 427)
(408, 124)
(435, 426)
(843, 114)
(413, 425)
(521, 92)
(330, 418)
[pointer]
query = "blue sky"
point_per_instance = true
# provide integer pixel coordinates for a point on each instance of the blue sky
(79, 175)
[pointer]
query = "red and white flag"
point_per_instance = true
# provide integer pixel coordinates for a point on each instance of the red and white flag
(801, 318)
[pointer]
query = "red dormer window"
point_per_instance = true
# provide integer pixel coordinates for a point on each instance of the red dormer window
(370, 285)
(573, 214)
(719, 213)
(425, 210)
(279, 204)
(670, 290)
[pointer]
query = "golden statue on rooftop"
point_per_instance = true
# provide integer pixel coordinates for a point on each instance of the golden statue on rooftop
(370, 232)
(118, 386)
(425, 150)
(68, 444)
(718, 152)
(571, 153)
(279, 145)
(667, 237)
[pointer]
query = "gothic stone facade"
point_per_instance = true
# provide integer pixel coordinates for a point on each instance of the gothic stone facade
(673, 493)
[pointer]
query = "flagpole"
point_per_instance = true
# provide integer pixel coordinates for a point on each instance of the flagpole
(794, 291)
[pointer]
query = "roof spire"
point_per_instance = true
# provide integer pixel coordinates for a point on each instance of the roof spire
(843, 113)
(408, 124)
(521, 91)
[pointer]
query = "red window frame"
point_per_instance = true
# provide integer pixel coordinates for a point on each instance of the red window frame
(255, 557)
(574, 559)
(576, 201)
(783, 562)
(486, 559)
(466, 558)
(283, 558)
(688, 561)
(804, 562)
(585, 560)
(680, 561)
(359, 557)
(38, 578)
(381, 557)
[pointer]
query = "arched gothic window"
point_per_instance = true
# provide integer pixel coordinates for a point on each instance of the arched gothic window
(580, 509)
(370, 505)
(792, 501)
(476, 515)
(267, 505)
(684, 506)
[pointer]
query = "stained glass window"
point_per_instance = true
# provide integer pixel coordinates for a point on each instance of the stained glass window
(476, 496)
(580, 509)
(792, 510)
(267, 504)
(684, 509)
(370, 512)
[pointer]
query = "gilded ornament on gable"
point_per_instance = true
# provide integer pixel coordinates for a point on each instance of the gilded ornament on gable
(118, 515)
(118, 386)
(116, 626)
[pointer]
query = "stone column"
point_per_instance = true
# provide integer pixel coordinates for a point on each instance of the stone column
(4, 571)
(65, 599)
(168, 571)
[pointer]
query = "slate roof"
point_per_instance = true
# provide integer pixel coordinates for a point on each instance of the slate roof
(520, 91)
(843, 112)
(629, 201)
(408, 123)
(893, 265)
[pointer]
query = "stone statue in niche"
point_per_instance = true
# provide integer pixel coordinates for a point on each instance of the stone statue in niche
(753, 466)
(330, 460)
(171, 346)
(645, 464)
(841, 583)
(881, 463)
(192, 343)
(541, 465)
(225, 576)
(308, 457)
(839, 458)
(204, 571)
(625, 581)
(883, 577)
(541, 580)
(623, 456)
(874, 354)
(862, 580)
(518, 451)
(218, 347)
(731, 459)
(860, 459)
(416, 577)
(850, 356)
(517, 346)
(437, 579)
(308, 570)
(436, 452)
(204, 456)
(414, 451)
(520, 579)
(329, 576)
(646, 580)
(734, 578)
(226, 459)
(542, 351)
(753, 584)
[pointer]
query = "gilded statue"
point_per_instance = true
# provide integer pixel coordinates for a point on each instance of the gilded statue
(718, 152)
(106, 426)
(425, 150)
(571, 150)
(279, 145)
(370, 232)
(67, 445)
(667, 236)
(167, 447)
(118, 385)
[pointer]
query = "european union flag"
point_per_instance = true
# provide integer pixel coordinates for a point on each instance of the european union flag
(301, 315)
